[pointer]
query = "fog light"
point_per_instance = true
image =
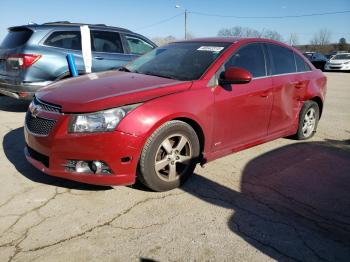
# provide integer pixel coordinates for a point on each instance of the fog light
(96, 167)
(88, 167)
(82, 167)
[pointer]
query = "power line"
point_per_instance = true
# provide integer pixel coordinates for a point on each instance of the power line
(159, 22)
(243, 17)
(269, 17)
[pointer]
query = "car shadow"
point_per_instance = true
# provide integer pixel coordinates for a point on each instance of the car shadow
(10, 104)
(293, 203)
(13, 146)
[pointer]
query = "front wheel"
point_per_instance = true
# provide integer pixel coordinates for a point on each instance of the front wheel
(169, 156)
(308, 120)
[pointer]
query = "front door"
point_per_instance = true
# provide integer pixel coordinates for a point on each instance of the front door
(242, 111)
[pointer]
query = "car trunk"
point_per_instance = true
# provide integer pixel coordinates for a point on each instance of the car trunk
(12, 45)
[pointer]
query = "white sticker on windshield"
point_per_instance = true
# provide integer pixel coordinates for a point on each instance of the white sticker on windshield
(210, 48)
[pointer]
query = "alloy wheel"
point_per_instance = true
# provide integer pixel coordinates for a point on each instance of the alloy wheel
(173, 157)
(309, 122)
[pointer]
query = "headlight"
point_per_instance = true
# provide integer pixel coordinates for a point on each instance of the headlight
(348, 62)
(102, 121)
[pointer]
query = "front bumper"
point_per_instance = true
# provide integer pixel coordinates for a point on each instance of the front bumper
(340, 67)
(21, 90)
(51, 153)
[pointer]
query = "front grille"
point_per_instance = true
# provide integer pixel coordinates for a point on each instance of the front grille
(46, 106)
(45, 160)
(38, 125)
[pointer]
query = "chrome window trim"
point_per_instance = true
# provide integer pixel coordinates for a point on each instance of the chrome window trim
(214, 81)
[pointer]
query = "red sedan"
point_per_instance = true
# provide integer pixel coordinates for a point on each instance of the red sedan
(181, 104)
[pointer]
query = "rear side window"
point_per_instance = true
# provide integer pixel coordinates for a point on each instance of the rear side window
(282, 59)
(138, 46)
(250, 57)
(302, 66)
(65, 39)
(16, 37)
(108, 42)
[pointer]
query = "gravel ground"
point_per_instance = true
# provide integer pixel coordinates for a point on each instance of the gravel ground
(283, 200)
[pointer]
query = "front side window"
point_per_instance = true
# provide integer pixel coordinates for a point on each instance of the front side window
(282, 59)
(181, 61)
(302, 66)
(250, 57)
(107, 42)
(138, 46)
(65, 39)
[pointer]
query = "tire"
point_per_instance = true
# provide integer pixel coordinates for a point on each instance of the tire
(308, 120)
(169, 156)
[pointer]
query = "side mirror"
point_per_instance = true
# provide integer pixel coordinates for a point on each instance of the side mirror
(235, 75)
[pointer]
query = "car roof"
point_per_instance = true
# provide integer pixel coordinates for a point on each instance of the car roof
(231, 40)
(65, 24)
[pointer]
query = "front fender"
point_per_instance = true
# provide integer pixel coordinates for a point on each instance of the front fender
(195, 105)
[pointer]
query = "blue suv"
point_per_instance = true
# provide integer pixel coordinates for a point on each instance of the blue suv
(33, 56)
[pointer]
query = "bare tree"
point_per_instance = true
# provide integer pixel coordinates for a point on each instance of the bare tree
(271, 34)
(342, 45)
(163, 40)
(321, 38)
(249, 32)
(233, 31)
(293, 39)
(240, 31)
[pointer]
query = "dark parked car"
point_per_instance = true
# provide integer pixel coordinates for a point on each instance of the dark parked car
(33, 56)
(317, 59)
(180, 104)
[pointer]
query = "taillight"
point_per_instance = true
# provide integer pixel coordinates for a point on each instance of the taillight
(21, 61)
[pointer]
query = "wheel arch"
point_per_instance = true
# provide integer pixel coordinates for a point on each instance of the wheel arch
(319, 102)
(197, 128)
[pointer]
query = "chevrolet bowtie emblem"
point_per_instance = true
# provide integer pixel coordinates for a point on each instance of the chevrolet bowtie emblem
(35, 109)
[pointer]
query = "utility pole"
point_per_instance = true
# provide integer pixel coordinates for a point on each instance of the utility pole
(185, 24)
(179, 6)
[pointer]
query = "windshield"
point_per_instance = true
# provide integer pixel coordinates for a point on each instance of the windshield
(341, 57)
(16, 37)
(181, 61)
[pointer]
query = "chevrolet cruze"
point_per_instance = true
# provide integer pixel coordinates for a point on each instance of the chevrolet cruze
(181, 104)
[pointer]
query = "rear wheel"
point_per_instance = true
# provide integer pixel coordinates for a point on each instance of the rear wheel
(169, 156)
(308, 120)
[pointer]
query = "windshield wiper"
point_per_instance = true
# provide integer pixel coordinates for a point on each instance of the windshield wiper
(159, 75)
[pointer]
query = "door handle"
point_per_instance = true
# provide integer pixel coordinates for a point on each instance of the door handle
(99, 57)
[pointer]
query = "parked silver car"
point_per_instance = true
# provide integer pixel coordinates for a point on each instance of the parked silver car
(33, 56)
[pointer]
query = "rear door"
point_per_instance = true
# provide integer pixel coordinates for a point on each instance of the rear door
(107, 51)
(287, 88)
(59, 44)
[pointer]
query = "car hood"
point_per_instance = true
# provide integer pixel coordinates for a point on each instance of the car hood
(99, 91)
(338, 62)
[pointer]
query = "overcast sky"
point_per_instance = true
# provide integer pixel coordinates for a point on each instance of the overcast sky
(158, 17)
